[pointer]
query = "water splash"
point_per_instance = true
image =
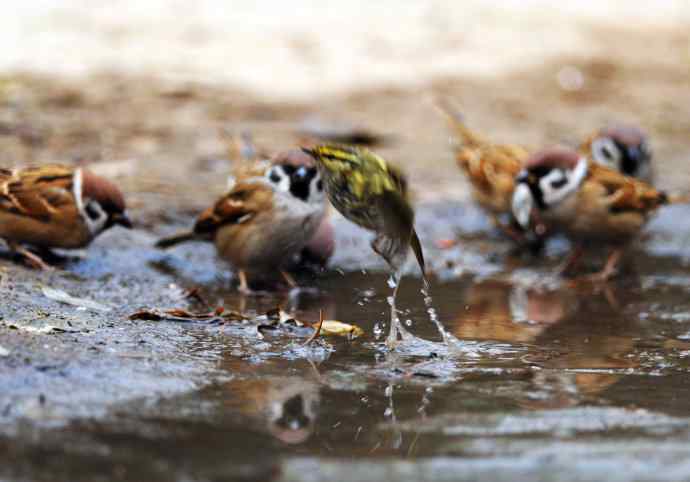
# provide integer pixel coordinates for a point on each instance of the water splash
(448, 338)
(396, 328)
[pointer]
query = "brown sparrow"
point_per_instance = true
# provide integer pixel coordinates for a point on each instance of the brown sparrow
(588, 202)
(263, 221)
(253, 163)
(490, 169)
(621, 147)
(56, 206)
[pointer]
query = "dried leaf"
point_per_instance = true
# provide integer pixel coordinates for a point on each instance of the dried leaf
(286, 319)
(63, 297)
(264, 327)
(179, 314)
(195, 294)
(338, 328)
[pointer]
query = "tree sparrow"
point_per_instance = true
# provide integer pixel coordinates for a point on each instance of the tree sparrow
(623, 148)
(491, 168)
(588, 202)
(56, 206)
(263, 221)
(253, 163)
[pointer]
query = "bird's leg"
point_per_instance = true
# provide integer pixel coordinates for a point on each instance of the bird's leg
(571, 261)
(292, 283)
(610, 268)
(32, 259)
(508, 230)
(244, 285)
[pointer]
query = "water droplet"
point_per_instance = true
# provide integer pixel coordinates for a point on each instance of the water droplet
(408, 322)
(388, 412)
(378, 330)
(389, 391)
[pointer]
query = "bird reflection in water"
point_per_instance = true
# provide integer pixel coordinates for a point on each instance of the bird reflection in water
(292, 411)
(586, 341)
(284, 407)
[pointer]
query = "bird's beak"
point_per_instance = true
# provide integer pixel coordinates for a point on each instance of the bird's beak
(122, 219)
(522, 204)
(309, 152)
(635, 154)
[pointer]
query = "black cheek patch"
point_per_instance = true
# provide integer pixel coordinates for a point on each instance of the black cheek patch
(274, 177)
(559, 183)
(92, 212)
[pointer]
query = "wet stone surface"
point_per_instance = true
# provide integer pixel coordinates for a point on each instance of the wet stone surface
(541, 377)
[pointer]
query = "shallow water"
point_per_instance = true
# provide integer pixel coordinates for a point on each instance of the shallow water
(544, 378)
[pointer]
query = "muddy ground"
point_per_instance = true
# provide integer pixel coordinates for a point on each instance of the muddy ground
(546, 381)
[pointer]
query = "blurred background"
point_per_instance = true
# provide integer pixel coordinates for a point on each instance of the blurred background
(307, 48)
(166, 84)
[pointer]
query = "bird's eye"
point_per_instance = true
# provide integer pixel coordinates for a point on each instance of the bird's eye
(319, 185)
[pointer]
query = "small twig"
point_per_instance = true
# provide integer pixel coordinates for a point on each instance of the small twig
(195, 294)
(317, 330)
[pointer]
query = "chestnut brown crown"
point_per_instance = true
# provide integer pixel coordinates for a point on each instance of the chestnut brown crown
(108, 195)
(553, 157)
(625, 134)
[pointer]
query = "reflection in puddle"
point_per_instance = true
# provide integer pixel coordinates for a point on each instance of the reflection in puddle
(529, 359)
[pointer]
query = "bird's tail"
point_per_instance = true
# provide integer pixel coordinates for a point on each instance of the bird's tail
(176, 239)
(419, 254)
(676, 198)
(467, 137)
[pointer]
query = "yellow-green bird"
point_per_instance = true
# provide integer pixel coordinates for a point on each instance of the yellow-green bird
(372, 193)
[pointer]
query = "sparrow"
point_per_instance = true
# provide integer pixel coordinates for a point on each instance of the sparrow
(55, 206)
(621, 147)
(253, 162)
(263, 221)
(490, 169)
(373, 194)
(589, 203)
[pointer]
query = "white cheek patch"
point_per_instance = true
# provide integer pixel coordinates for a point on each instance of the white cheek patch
(77, 191)
(522, 204)
(278, 179)
(606, 153)
(559, 184)
(316, 195)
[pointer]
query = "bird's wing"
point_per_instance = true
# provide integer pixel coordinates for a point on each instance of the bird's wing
(38, 192)
(240, 205)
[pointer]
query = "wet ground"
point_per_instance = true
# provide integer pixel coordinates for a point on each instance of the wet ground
(543, 379)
